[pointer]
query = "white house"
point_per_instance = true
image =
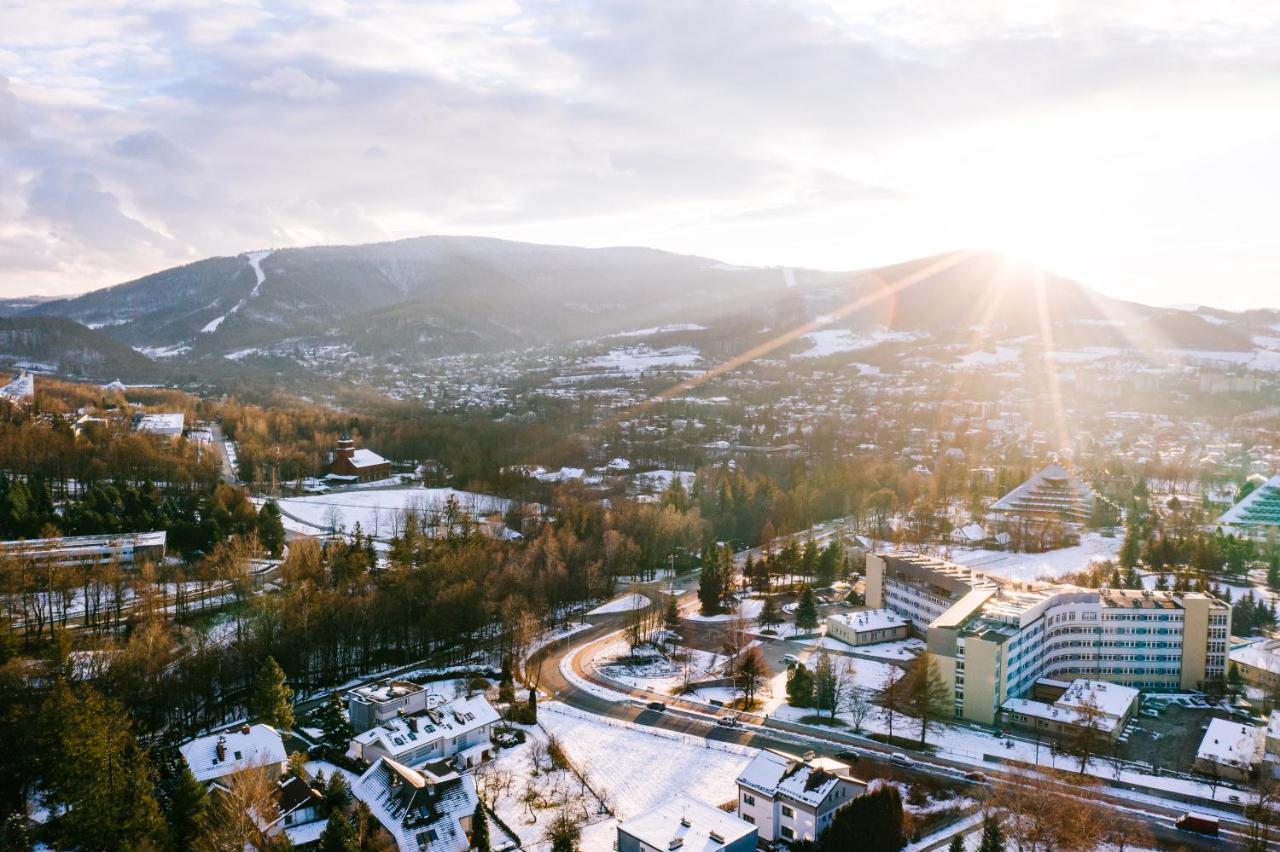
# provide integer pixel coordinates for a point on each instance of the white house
(1230, 749)
(425, 810)
(217, 756)
(457, 730)
(791, 798)
(686, 824)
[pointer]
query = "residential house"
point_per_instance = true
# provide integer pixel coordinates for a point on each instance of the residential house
(300, 813)
(688, 825)
(424, 810)
(376, 703)
(458, 730)
(215, 758)
(789, 798)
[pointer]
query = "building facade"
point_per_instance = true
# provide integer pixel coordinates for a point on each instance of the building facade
(357, 465)
(867, 627)
(993, 638)
(789, 798)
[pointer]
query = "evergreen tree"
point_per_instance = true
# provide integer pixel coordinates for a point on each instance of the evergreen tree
(671, 615)
(95, 776)
(336, 731)
(957, 844)
(563, 833)
(269, 700)
(188, 802)
(338, 834)
(709, 585)
(824, 685)
(992, 834)
(480, 829)
(770, 616)
(337, 792)
(872, 822)
(270, 528)
(807, 611)
(799, 686)
(926, 693)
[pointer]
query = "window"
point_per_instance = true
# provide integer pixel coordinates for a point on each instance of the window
(787, 832)
(749, 818)
(787, 812)
(288, 819)
(748, 799)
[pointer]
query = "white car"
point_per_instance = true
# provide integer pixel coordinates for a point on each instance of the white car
(790, 659)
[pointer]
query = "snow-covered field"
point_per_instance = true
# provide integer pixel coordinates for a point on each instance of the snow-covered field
(660, 674)
(379, 512)
(640, 359)
(748, 610)
(832, 341)
(1093, 547)
(626, 603)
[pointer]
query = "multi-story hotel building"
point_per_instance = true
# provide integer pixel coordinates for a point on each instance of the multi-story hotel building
(994, 638)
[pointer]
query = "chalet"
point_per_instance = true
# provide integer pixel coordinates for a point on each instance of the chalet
(424, 810)
(352, 465)
(789, 798)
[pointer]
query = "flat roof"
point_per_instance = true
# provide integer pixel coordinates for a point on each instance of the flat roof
(698, 826)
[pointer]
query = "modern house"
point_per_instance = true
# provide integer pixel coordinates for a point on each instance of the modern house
(424, 810)
(685, 824)
(354, 465)
(376, 703)
(215, 758)
(993, 638)
(867, 627)
(458, 730)
(789, 798)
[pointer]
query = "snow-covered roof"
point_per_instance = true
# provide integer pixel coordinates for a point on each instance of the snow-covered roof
(259, 746)
(1112, 699)
(403, 734)
(869, 619)
(808, 782)
(169, 423)
(1263, 655)
(699, 827)
(366, 458)
(1231, 743)
(423, 809)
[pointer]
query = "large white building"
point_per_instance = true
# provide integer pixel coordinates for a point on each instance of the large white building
(993, 638)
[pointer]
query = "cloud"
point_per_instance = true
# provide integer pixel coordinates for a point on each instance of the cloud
(151, 146)
(74, 202)
(295, 84)
(13, 127)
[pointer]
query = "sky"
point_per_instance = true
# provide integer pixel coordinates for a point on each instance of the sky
(1130, 145)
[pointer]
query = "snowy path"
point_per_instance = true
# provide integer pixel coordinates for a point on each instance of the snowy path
(255, 260)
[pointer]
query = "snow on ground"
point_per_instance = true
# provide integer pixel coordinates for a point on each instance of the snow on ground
(379, 511)
(255, 260)
(659, 674)
(1093, 547)
(747, 610)
(642, 767)
(660, 480)
(626, 603)
(987, 358)
(903, 649)
(833, 341)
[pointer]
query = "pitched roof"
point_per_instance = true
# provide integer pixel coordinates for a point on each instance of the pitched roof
(261, 746)
(1051, 491)
(366, 458)
(776, 773)
(402, 734)
(1259, 508)
(421, 808)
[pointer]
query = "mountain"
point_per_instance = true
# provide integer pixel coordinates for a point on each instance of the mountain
(414, 299)
(60, 345)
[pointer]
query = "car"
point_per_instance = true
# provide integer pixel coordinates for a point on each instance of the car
(1152, 714)
(901, 759)
(1234, 797)
(727, 722)
(790, 659)
(656, 706)
(977, 778)
(850, 756)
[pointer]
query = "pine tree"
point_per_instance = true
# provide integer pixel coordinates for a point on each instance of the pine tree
(671, 615)
(824, 685)
(188, 802)
(480, 829)
(269, 701)
(770, 616)
(806, 611)
(338, 834)
(337, 792)
(336, 731)
(992, 834)
(799, 686)
(709, 584)
(957, 844)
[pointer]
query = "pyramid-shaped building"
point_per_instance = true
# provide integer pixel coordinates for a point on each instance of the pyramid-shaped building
(1258, 512)
(1053, 493)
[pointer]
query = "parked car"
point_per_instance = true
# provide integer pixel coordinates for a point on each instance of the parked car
(849, 756)
(901, 759)
(727, 721)
(657, 706)
(790, 659)
(1199, 823)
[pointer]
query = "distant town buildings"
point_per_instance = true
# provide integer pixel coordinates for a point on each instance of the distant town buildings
(166, 425)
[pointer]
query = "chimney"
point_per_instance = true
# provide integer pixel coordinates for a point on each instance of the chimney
(246, 729)
(221, 749)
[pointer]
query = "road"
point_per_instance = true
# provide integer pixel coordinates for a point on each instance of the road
(761, 732)
(220, 447)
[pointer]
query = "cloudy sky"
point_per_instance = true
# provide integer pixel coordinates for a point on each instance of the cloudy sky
(1132, 145)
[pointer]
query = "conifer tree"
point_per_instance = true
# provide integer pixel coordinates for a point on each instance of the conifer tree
(799, 686)
(188, 802)
(480, 829)
(709, 585)
(335, 730)
(806, 610)
(957, 844)
(269, 700)
(338, 834)
(992, 834)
